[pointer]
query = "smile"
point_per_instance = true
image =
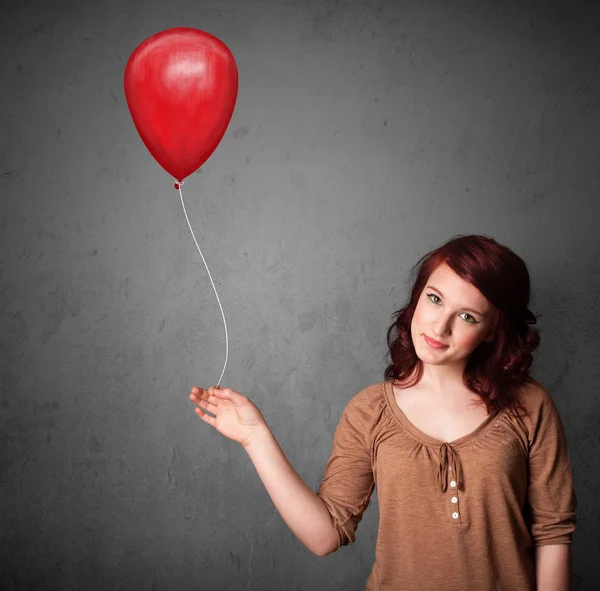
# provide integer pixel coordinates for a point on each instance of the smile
(434, 344)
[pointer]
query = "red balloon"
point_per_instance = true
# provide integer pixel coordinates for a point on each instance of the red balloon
(181, 86)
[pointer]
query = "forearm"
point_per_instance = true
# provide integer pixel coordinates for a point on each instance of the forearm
(301, 509)
(554, 567)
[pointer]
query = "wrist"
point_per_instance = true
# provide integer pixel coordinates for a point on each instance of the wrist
(258, 438)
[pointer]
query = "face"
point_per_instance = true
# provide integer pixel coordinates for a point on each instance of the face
(451, 319)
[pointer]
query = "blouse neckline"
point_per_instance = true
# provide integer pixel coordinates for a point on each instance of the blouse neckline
(427, 439)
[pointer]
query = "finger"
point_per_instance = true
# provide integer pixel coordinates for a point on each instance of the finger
(229, 394)
(199, 392)
(203, 395)
(205, 417)
(206, 405)
(205, 398)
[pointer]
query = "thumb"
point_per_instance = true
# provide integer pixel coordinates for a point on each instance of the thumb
(229, 394)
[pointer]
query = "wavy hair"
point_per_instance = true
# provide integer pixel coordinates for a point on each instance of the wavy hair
(496, 370)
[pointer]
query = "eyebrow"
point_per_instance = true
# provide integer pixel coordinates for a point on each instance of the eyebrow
(467, 309)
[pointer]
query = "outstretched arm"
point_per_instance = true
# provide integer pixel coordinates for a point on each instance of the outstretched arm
(302, 510)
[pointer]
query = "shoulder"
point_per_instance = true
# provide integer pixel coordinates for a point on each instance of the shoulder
(536, 399)
(367, 406)
(368, 398)
(542, 416)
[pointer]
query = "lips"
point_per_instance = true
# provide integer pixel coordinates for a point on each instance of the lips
(434, 344)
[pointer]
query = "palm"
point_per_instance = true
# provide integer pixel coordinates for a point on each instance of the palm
(235, 416)
(231, 420)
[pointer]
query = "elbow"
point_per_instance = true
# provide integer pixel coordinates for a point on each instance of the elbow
(324, 539)
(326, 548)
(321, 552)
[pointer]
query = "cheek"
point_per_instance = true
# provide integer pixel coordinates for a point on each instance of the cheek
(467, 338)
(424, 315)
(419, 317)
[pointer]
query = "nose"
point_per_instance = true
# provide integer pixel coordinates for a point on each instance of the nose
(441, 326)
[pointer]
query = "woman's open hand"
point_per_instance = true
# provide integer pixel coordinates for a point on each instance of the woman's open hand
(235, 416)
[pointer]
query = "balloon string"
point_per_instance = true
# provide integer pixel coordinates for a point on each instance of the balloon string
(178, 186)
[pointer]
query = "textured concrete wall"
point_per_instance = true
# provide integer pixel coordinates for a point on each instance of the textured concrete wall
(365, 134)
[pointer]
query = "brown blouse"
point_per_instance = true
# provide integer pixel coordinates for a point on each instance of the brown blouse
(453, 516)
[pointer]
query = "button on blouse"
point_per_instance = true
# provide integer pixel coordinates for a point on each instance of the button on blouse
(448, 454)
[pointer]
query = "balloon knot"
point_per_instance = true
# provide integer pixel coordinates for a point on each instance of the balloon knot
(178, 184)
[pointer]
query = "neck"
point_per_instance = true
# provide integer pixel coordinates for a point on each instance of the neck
(441, 378)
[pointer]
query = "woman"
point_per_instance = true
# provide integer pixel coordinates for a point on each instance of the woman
(467, 451)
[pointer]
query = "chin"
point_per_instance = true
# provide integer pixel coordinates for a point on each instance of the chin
(432, 361)
(429, 357)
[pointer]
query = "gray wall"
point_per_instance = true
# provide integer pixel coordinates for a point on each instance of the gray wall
(365, 134)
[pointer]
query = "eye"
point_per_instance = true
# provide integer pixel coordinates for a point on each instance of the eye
(471, 321)
(431, 296)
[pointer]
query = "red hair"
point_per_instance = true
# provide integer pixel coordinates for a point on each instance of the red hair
(496, 370)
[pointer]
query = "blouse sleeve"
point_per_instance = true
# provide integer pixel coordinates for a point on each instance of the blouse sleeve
(551, 495)
(348, 481)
